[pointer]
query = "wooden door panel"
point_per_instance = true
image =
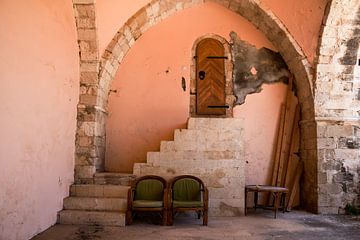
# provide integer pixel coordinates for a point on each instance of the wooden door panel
(211, 89)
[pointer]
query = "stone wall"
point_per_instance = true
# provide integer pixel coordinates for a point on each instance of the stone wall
(90, 133)
(337, 108)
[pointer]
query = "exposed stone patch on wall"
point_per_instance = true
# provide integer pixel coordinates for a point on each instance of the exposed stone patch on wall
(337, 108)
(254, 67)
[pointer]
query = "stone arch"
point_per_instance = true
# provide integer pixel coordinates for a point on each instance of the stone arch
(337, 107)
(228, 74)
(90, 145)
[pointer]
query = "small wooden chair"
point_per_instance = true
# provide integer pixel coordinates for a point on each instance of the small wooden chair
(188, 193)
(148, 194)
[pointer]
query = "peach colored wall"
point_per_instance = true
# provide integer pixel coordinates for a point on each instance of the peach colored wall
(150, 103)
(261, 115)
(303, 19)
(111, 15)
(38, 94)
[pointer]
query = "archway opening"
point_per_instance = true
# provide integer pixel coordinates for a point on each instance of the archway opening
(274, 30)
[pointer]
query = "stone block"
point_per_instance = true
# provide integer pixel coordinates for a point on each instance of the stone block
(328, 210)
(84, 141)
(89, 67)
(88, 56)
(169, 156)
(167, 146)
(153, 158)
(91, 218)
(326, 143)
(95, 204)
(347, 154)
(88, 128)
(88, 99)
(227, 207)
(87, 23)
(87, 34)
(88, 77)
(339, 131)
(215, 124)
(84, 171)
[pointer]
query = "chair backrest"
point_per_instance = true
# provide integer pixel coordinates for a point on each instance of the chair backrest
(149, 189)
(186, 189)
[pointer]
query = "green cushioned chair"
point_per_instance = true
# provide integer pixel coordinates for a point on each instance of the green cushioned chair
(147, 194)
(188, 193)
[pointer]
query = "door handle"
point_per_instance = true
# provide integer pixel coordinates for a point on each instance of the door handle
(201, 75)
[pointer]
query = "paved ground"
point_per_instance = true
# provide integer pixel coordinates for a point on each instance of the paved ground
(259, 225)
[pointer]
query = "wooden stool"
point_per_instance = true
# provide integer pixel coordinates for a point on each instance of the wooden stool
(279, 193)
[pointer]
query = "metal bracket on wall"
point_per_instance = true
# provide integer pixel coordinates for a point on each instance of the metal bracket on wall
(218, 106)
(217, 57)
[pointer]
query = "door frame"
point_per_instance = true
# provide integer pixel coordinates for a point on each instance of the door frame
(228, 63)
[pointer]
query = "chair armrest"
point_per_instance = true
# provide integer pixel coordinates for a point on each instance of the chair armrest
(166, 198)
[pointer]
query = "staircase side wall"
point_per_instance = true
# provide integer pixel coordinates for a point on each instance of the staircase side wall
(212, 153)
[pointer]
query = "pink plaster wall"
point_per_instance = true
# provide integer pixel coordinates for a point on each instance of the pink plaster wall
(111, 15)
(261, 115)
(303, 19)
(38, 94)
(150, 103)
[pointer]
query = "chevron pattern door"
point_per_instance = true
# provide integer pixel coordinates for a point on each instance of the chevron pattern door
(210, 78)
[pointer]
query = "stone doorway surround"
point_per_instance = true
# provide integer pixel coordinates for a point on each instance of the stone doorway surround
(97, 73)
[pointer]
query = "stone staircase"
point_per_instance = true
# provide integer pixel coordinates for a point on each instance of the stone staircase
(102, 203)
(210, 148)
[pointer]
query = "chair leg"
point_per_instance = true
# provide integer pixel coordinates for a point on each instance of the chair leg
(170, 219)
(256, 196)
(276, 202)
(283, 196)
(205, 217)
(165, 218)
(128, 218)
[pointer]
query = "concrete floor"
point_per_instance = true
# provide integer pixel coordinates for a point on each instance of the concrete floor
(259, 225)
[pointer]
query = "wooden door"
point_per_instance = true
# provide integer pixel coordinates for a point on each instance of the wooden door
(210, 78)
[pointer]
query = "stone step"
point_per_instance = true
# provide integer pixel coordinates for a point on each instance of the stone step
(91, 218)
(95, 204)
(93, 190)
(193, 155)
(207, 140)
(221, 124)
(167, 146)
(110, 178)
(153, 157)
